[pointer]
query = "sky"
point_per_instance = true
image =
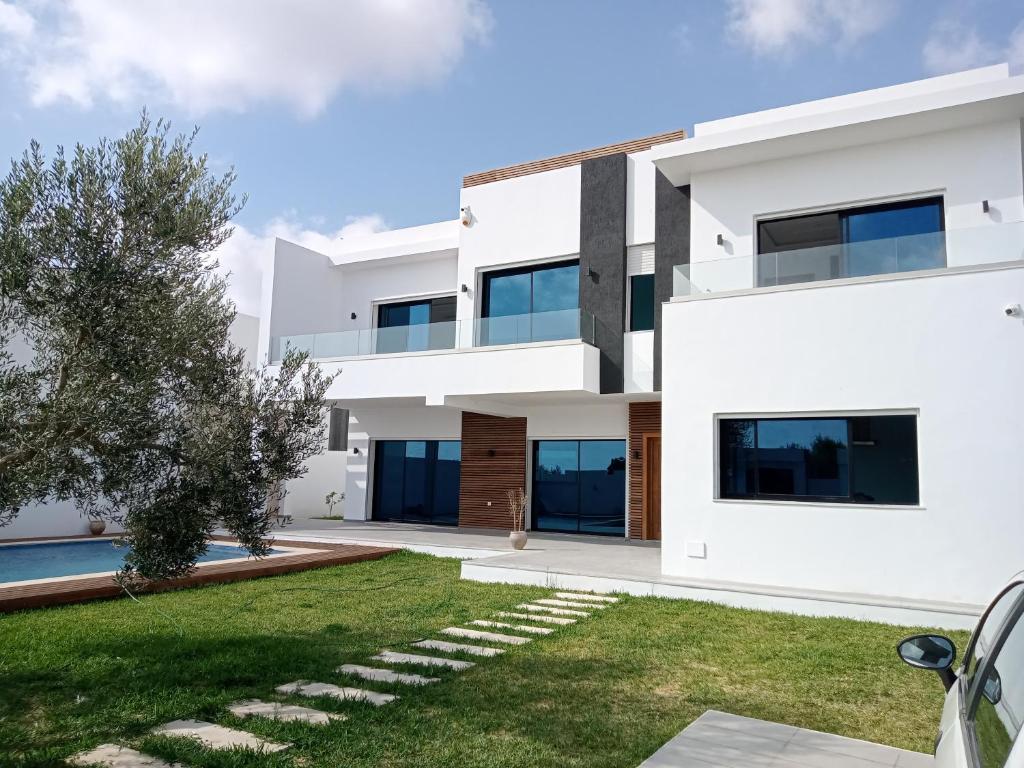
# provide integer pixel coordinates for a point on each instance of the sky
(346, 117)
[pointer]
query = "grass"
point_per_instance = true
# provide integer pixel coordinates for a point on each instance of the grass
(605, 692)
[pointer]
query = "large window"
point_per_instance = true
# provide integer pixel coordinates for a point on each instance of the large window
(417, 481)
(871, 240)
(579, 486)
(858, 459)
(538, 303)
(414, 326)
(641, 303)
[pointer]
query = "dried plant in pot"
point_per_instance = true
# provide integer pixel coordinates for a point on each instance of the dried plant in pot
(97, 525)
(517, 509)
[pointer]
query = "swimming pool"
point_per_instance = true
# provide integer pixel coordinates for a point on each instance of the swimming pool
(50, 560)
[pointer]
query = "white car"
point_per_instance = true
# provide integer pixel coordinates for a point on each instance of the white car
(984, 705)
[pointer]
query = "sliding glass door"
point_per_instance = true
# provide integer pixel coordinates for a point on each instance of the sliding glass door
(579, 486)
(417, 481)
(538, 303)
(415, 326)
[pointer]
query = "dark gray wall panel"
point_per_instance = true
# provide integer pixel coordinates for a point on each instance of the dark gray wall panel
(603, 253)
(671, 247)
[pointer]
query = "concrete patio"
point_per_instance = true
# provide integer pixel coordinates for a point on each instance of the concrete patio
(612, 564)
(720, 740)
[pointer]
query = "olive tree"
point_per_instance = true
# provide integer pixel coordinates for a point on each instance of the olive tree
(119, 388)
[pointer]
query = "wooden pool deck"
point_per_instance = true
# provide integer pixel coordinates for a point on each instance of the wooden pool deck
(78, 590)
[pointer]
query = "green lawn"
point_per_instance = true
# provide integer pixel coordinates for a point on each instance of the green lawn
(605, 692)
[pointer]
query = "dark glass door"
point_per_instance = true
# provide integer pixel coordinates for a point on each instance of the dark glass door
(417, 481)
(579, 486)
(539, 303)
(415, 326)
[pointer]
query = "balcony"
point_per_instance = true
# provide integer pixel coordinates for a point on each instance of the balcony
(539, 327)
(454, 362)
(955, 248)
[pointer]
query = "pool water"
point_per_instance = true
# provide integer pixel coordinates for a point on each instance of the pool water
(22, 562)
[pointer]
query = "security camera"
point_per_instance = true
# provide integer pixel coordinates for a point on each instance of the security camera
(467, 216)
(1012, 310)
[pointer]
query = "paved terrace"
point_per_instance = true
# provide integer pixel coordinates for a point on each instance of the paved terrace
(613, 564)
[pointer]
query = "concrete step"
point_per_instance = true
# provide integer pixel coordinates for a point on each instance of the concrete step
(113, 756)
(582, 596)
(275, 710)
(385, 675)
(490, 637)
(445, 647)
(549, 609)
(570, 604)
(217, 736)
(393, 657)
(562, 622)
(303, 688)
(516, 627)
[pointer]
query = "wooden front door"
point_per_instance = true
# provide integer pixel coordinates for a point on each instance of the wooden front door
(652, 485)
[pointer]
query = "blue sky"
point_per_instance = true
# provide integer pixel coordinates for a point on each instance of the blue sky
(353, 116)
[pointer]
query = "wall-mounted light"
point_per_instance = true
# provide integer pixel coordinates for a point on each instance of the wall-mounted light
(353, 315)
(464, 288)
(355, 451)
(636, 454)
(467, 216)
(491, 452)
(984, 206)
(720, 240)
(592, 274)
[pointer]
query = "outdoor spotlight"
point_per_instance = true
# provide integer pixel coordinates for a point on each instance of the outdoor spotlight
(464, 288)
(984, 206)
(353, 315)
(720, 240)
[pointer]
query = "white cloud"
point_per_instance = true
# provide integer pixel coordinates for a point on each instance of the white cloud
(211, 55)
(782, 27)
(953, 45)
(241, 257)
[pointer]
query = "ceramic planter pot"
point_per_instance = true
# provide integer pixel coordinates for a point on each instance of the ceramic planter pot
(96, 527)
(518, 539)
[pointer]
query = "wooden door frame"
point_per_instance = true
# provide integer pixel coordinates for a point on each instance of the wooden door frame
(645, 437)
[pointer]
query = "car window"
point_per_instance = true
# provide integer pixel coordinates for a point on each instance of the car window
(988, 630)
(997, 701)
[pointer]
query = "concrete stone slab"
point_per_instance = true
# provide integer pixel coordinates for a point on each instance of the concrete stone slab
(303, 688)
(445, 647)
(393, 657)
(217, 736)
(560, 621)
(730, 741)
(385, 675)
(586, 596)
(490, 637)
(114, 756)
(549, 609)
(275, 710)
(516, 627)
(570, 604)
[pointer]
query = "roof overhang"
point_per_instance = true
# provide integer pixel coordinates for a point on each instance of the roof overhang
(864, 124)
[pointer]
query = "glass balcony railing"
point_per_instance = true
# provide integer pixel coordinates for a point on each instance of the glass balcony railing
(456, 334)
(956, 247)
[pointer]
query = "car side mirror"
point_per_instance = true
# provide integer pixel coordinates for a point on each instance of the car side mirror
(934, 652)
(992, 690)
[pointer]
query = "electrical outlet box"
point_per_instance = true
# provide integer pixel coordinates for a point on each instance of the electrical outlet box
(696, 549)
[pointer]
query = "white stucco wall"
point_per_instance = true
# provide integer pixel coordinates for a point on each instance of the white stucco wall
(965, 166)
(941, 346)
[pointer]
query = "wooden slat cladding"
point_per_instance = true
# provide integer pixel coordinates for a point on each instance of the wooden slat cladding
(570, 158)
(486, 477)
(643, 417)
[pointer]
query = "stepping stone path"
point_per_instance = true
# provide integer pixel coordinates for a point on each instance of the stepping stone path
(516, 627)
(562, 610)
(217, 736)
(302, 688)
(392, 657)
(445, 647)
(491, 637)
(113, 756)
(385, 675)
(275, 710)
(545, 619)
